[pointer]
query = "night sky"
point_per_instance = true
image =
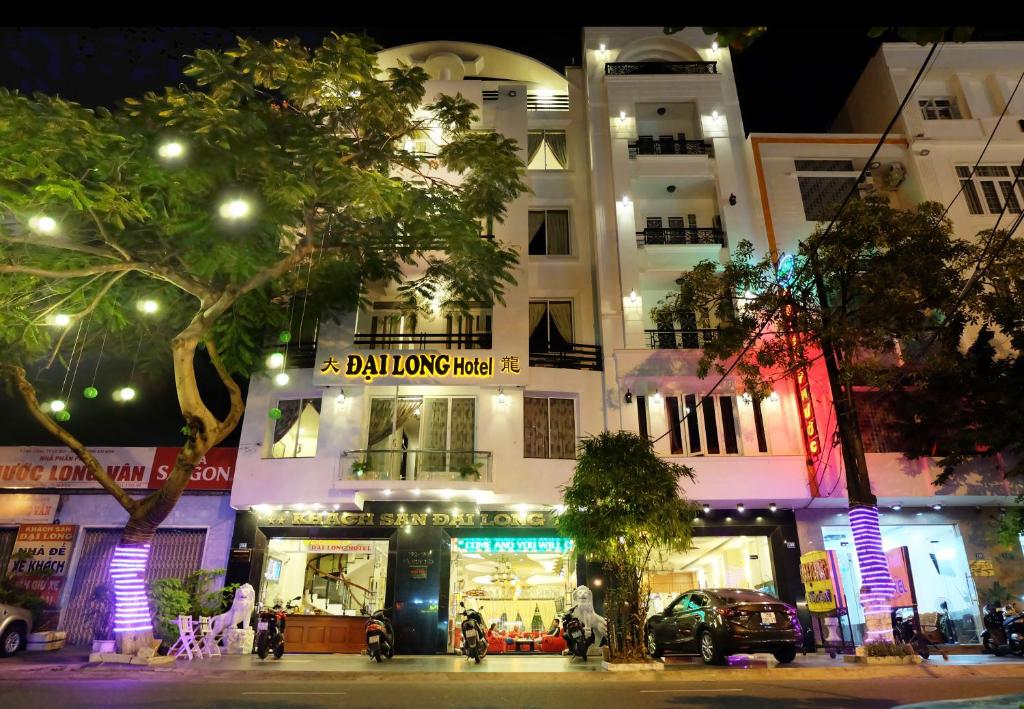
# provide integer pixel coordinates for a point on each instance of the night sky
(790, 80)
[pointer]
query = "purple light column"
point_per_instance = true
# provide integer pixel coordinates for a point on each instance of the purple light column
(131, 605)
(877, 586)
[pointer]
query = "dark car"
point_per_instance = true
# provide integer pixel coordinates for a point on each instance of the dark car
(716, 623)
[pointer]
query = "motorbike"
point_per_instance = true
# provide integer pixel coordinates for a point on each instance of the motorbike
(576, 636)
(380, 637)
(474, 637)
(1004, 630)
(270, 630)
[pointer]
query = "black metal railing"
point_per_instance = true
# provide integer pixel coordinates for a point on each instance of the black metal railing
(301, 355)
(569, 356)
(626, 68)
(680, 235)
(423, 340)
(413, 464)
(680, 339)
(669, 146)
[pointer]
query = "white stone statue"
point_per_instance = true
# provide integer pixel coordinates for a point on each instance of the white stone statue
(239, 612)
(583, 598)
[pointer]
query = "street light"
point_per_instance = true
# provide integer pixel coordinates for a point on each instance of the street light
(235, 209)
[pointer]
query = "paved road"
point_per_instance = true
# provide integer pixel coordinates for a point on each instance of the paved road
(520, 693)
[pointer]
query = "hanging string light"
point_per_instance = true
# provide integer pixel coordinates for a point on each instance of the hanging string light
(127, 393)
(91, 392)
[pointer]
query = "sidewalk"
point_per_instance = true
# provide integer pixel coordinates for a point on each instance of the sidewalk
(74, 661)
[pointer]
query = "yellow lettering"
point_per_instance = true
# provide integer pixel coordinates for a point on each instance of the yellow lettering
(535, 519)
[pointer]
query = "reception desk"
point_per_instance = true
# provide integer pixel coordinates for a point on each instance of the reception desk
(325, 633)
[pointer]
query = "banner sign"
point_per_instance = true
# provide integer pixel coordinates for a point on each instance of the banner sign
(524, 545)
(413, 366)
(333, 546)
(47, 551)
(289, 518)
(899, 569)
(819, 574)
(28, 509)
(44, 467)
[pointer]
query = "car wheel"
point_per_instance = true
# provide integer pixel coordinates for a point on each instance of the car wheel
(709, 651)
(12, 640)
(652, 646)
(785, 655)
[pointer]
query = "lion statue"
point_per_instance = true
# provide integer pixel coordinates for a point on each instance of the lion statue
(583, 598)
(239, 612)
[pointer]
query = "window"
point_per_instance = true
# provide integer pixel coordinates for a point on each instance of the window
(641, 413)
(549, 427)
(420, 437)
(551, 326)
(762, 438)
(939, 108)
(295, 430)
(989, 187)
(546, 150)
(711, 430)
(549, 232)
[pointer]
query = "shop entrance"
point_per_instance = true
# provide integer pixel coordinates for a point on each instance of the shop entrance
(713, 562)
(937, 577)
(523, 585)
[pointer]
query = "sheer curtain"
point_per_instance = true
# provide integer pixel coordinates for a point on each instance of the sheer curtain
(538, 245)
(534, 142)
(558, 233)
(562, 424)
(385, 423)
(433, 436)
(537, 311)
(290, 410)
(463, 432)
(561, 316)
(556, 144)
(535, 427)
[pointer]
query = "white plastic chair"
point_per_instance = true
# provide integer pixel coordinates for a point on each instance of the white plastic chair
(186, 643)
(207, 640)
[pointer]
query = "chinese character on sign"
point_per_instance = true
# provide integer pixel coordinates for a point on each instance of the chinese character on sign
(332, 364)
(510, 364)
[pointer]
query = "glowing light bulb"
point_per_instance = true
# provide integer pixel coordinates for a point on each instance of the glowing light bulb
(602, 47)
(275, 361)
(714, 46)
(707, 508)
(626, 201)
(633, 297)
(657, 398)
(714, 115)
(61, 320)
(772, 506)
(57, 405)
(235, 209)
(281, 378)
(171, 150)
(410, 146)
(502, 399)
(43, 224)
(739, 507)
(148, 306)
(126, 393)
(340, 399)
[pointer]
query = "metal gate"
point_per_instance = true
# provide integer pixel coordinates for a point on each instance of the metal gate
(175, 553)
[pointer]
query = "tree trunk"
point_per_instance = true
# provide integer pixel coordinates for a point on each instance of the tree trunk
(876, 582)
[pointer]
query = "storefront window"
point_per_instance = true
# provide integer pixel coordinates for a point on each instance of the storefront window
(326, 576)
(713, 562)
(938, 579)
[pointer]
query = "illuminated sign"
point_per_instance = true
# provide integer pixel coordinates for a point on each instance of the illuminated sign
(489, 545)
(414, 366)
(403, 519)
(819, 574)
(808, 424)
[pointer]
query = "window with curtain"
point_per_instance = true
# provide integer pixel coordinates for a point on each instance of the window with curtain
(295, 432)
(551, 326)
(420, 437)
(549, 232)
(546, 150)
(708, 428)
(990, 186)
(549, 427)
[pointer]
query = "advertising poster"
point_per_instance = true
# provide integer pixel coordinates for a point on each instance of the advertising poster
(819, 574)
(40, 559)
(899, 569)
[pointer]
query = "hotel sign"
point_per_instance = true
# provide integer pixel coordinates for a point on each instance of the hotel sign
(289, 518)
(418, 365)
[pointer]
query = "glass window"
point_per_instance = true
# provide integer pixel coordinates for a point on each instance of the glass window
(421, 438)
(983, 184)
(546, 150)
(711, 430)
(939, 108)
(295, 430)
(641, 414)
(551, 326)
(549, 232)
(549, 427)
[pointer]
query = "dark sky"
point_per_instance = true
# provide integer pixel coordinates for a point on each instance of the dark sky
(790, 80)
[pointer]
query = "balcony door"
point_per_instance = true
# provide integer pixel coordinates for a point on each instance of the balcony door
(420, 437)
(551, 326)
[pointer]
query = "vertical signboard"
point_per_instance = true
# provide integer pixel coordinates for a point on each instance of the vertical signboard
(899, 569)
(823, 587)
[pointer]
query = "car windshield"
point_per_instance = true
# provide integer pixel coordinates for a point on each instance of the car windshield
(743, 596)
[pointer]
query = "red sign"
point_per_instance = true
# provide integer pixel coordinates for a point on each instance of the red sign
(215, 471)
(899, 569)
(40, 559)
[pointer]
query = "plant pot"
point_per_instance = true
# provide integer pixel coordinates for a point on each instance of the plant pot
(104, 646)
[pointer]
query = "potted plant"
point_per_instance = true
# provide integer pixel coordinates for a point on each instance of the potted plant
(469, 471)
(359, 468)
(101, 616)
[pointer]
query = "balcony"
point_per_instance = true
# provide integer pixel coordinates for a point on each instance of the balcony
(569, 356)
(660, 236)
(634, 68)
(667, 145)
(423, 341)
(680, 339)
(416, 465)
(298, 355)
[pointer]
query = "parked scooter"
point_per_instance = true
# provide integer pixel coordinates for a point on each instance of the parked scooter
(576, 636)
(270, 630)
(380, 637)
(1004, 630)
(474, 638)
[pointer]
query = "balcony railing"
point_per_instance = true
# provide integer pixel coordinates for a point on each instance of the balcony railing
(570, 356)
(416, 464)
(680, 339)
(300, 355)
(680, 235)
(626, 68)
(423, 341)
(666, 145)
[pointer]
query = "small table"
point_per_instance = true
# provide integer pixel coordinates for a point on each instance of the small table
(526, 643)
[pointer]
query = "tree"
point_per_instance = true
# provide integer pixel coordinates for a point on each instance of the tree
(622, 506)
(739, 38)
(282, 178)
(879, 278)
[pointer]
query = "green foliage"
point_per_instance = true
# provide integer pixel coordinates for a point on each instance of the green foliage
(884, 649)
(30, 601)
(623, 506)
(1010, 525)
(191, 596)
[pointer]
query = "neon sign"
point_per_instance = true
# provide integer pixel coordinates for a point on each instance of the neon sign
(412, 366)
(808, 424)
(536, 545)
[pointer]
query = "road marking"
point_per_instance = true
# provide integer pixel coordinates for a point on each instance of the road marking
(680, 691)
(298, 694)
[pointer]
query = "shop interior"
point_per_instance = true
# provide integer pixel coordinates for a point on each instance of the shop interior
(328, 576)
(712, 562)
(521, 586)
(940, 575)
